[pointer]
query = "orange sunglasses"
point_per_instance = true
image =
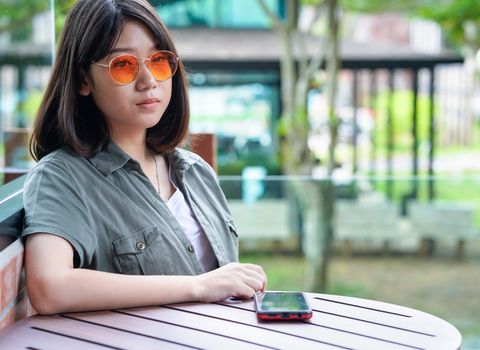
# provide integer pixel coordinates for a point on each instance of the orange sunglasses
(124, 69)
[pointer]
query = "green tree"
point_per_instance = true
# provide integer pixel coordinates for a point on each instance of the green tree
(405, 6)
(459, 19)
(298, 68)
(16, 15)
(295, 83)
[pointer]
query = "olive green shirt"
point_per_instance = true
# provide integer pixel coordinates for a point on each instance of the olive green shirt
(111, 214)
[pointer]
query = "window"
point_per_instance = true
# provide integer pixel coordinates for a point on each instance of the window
(241, 108)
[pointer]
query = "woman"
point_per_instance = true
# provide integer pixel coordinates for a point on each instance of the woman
(116, 215)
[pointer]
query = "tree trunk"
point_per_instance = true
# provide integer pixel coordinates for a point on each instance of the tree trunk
(326, 188)
(316, 198)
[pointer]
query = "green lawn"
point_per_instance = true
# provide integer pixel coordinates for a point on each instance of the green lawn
(288, 273)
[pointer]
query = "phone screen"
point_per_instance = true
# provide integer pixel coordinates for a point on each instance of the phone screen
(282, 305)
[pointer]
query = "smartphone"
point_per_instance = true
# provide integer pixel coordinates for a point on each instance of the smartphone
(282, 306)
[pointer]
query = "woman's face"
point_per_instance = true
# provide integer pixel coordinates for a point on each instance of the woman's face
(138, 105)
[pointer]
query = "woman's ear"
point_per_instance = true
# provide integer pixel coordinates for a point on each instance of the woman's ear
(85, 88)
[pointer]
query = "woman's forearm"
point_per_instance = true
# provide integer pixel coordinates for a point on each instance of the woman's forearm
(83, 290)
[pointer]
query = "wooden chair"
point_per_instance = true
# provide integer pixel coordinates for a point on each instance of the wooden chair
(14, 303)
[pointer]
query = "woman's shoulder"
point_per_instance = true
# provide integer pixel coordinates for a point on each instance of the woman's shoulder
(59, 161)
(61, 157)
(184, 159)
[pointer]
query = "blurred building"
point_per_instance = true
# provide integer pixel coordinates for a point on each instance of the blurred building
(231, 55)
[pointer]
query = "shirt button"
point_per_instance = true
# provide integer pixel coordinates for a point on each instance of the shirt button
(140, 246)
(190, 248)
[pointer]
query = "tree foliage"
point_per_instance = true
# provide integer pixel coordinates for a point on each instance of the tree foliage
(297, 69)
(460, 20)
(16, 15)
(407, 6)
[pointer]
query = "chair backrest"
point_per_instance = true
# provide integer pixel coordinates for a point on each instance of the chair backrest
(14, 303)
(205, 145)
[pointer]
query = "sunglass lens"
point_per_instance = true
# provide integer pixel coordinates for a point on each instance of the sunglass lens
(163, 65)
(124, 69)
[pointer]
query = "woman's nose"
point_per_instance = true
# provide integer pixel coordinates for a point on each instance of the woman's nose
(145, 78)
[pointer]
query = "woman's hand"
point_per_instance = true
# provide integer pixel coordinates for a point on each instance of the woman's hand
(232, 280)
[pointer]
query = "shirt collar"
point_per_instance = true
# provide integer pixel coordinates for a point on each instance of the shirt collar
(111, 158)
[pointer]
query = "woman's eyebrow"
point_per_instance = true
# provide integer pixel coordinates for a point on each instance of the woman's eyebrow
(129, 49)
(120, 49)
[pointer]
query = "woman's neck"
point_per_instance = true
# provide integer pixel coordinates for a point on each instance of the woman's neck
(134, 145)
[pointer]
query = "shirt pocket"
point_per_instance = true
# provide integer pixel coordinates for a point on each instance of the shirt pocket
(144, 252)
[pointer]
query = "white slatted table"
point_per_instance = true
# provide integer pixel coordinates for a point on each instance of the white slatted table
(338, 323)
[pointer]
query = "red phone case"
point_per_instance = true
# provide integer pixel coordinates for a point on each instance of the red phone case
(283, 316)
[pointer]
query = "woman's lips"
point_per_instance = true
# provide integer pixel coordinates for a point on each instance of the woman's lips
(149, 101)
(149, 104)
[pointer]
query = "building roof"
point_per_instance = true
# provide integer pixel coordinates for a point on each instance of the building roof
(204, 48)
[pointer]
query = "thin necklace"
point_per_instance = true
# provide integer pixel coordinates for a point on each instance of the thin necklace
(156, 171)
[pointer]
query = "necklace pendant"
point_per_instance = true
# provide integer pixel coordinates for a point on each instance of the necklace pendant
(156, 173)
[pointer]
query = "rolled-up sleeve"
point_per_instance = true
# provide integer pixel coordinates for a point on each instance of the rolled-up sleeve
(54, 204)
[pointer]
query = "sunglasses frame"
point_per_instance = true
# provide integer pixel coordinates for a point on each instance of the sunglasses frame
(145, 60)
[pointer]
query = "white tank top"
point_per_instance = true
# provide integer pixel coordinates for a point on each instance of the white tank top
(185, 217)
